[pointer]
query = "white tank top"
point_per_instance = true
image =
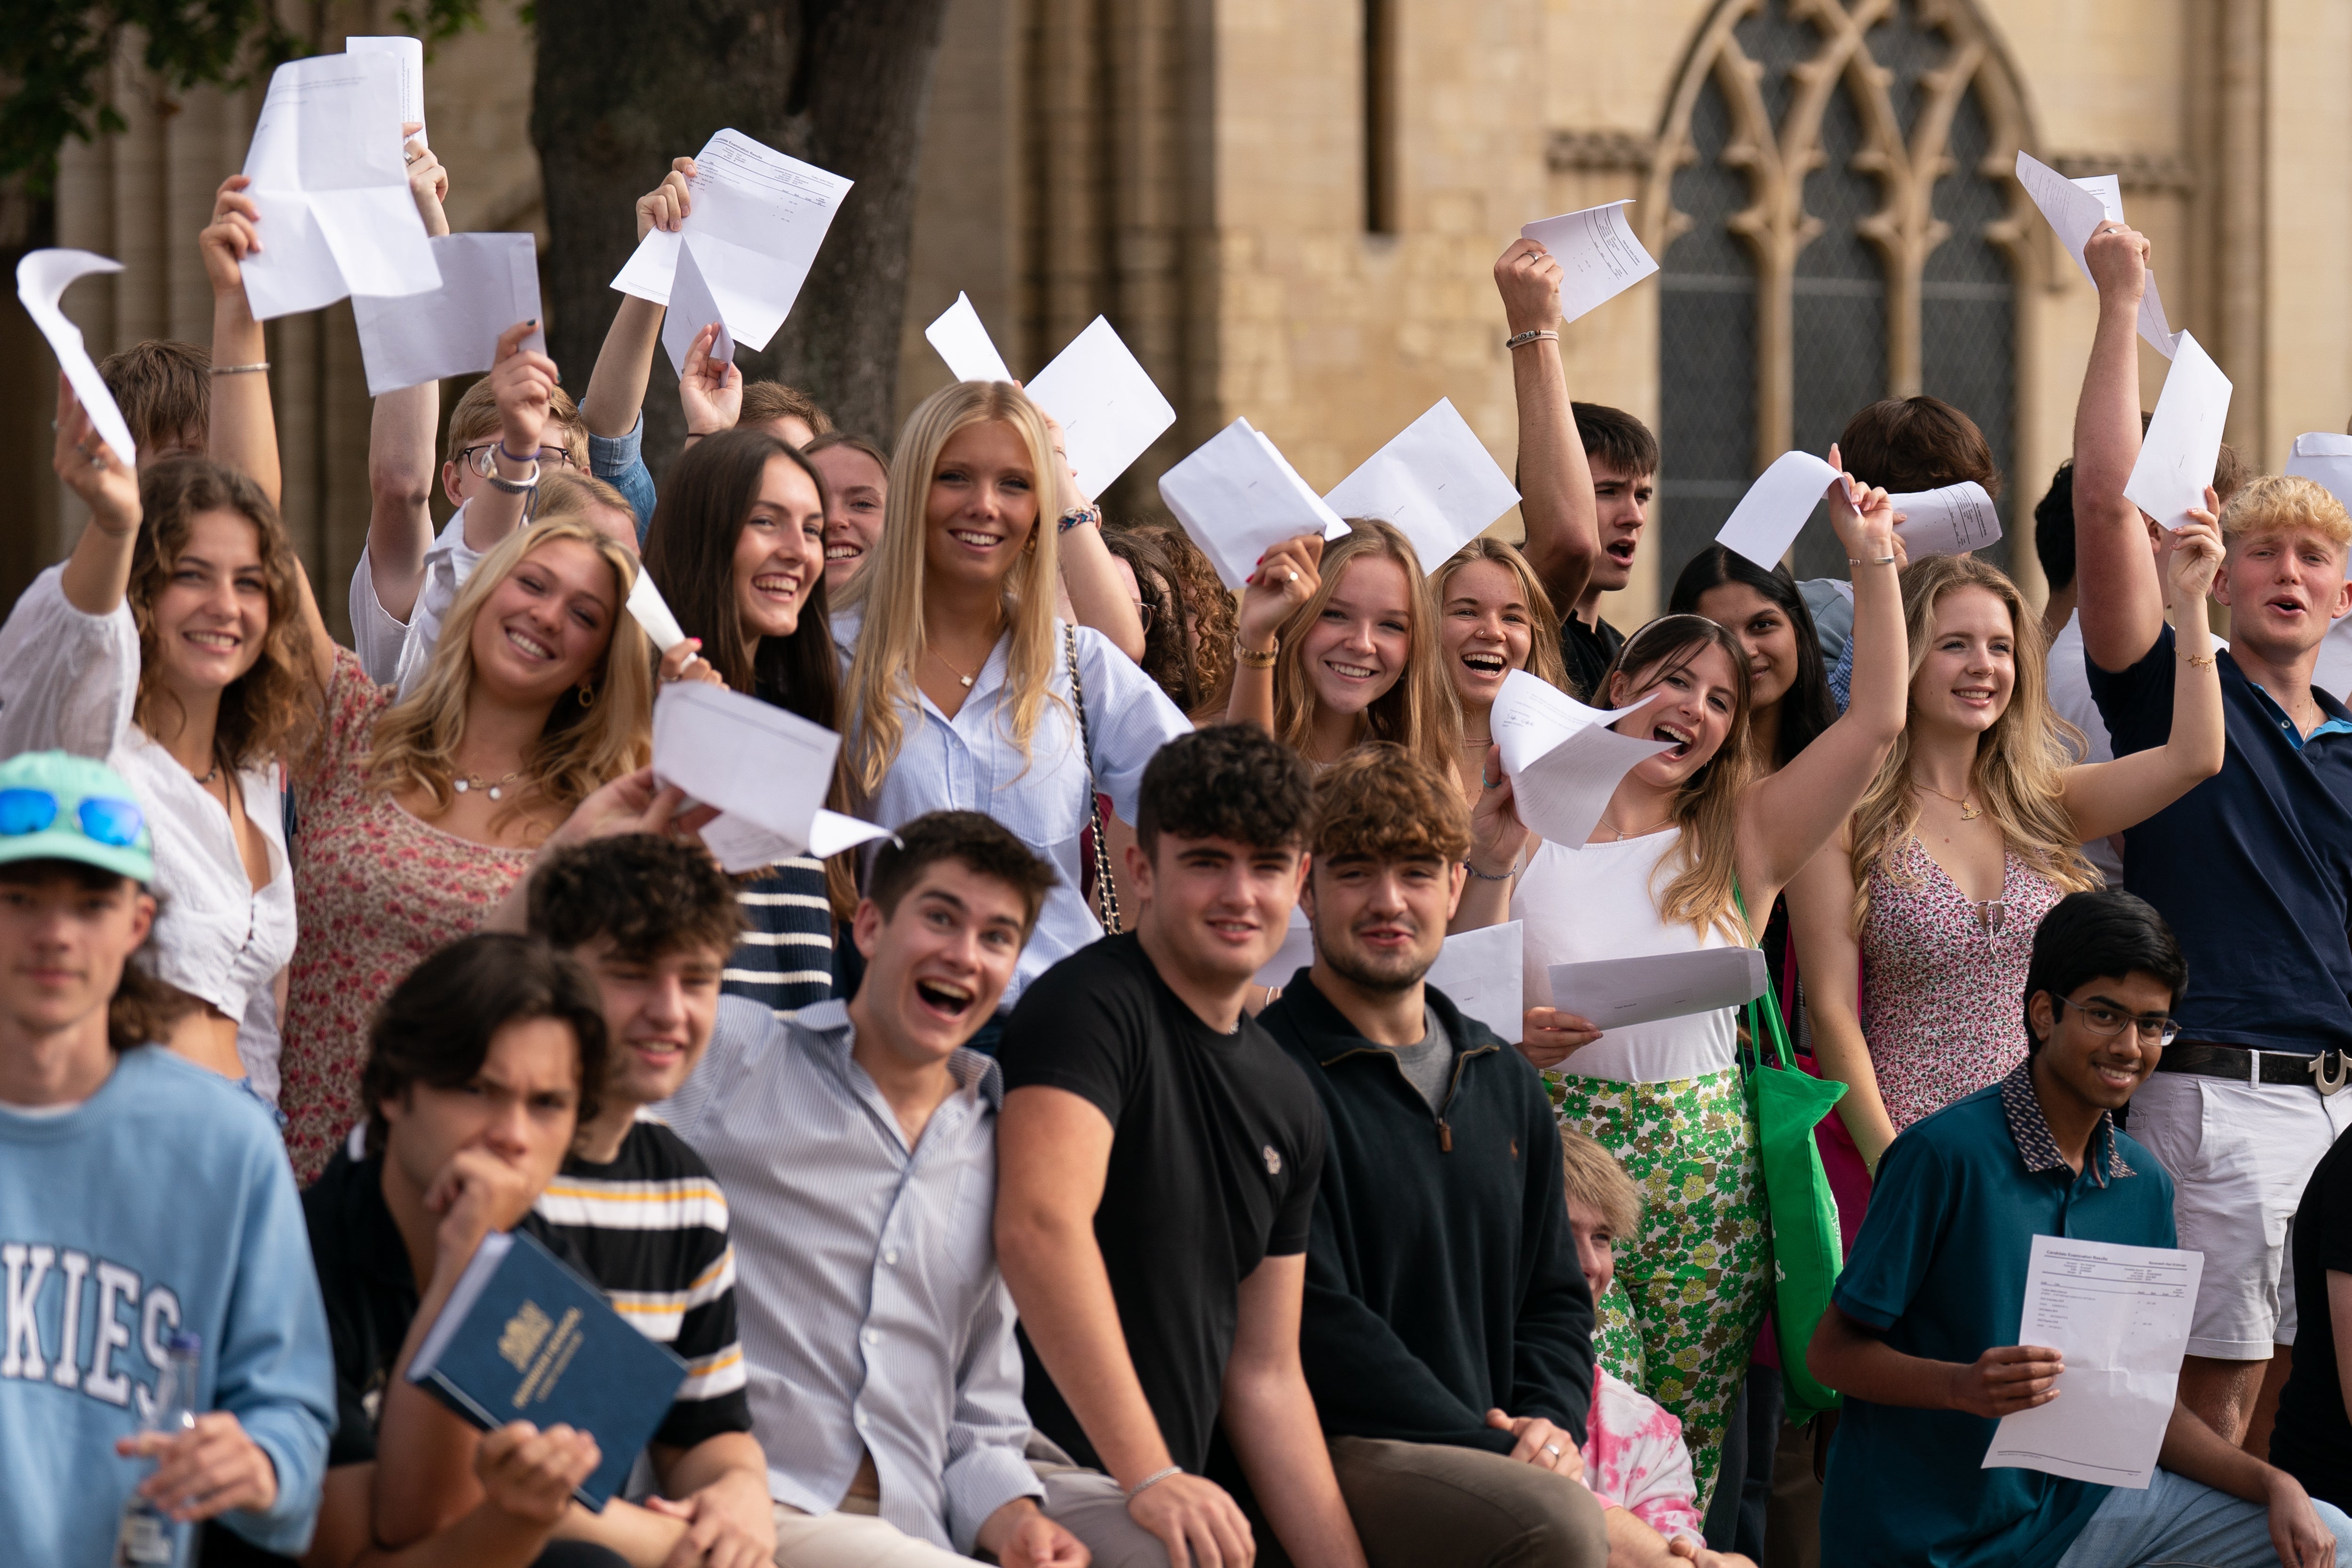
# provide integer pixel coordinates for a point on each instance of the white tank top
(1597, 902)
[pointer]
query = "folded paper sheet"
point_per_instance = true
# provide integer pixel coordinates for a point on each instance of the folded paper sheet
(1563, 760)
(489, 282)
(650, 610)
(2119, 1317)
(692, 307)
(1616, 993)
(2183, 440)
(328, 180)
(1238, 498)
(760, 217)
(1435, 480)
(1481, 973)
(1773, 512)
(1951, 520)
(41, 278)
(767, 771)
(408, 55)
(963, 341)
(1109, 409)
(1599, 257)
(2074, 209)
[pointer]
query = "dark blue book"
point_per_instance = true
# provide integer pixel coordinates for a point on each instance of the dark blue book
(525, 1338)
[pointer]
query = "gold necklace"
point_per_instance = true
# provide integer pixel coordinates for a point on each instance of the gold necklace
(466, 783)
(951, 669)
(1968, 813)
(1665, 821)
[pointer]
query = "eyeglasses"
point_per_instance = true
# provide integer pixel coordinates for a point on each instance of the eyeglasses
(1142, 612)
(483, 462)
(114, 822)
(2101, 1018)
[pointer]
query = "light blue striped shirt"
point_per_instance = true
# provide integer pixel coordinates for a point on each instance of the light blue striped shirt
(871, 1310)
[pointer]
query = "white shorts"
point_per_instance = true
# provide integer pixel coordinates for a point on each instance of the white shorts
(2240, 1154)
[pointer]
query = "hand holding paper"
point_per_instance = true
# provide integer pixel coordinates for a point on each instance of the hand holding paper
(1564, 759)
(1773, 512)
(1435, 481)
(41, 279)
(1952, 520)
(692, 308)
(1616, 993)
(1599, 257)
(2075, 209)
(1237, 497)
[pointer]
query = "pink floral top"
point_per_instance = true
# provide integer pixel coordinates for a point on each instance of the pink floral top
(377, 891)
(1943, 980)
(1635, 1459)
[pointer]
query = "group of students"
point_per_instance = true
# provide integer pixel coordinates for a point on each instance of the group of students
(984, 1231)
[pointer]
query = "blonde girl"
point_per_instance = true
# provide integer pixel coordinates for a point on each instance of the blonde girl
(1492, 617)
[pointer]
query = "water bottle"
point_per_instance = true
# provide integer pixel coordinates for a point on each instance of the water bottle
(150, 1538)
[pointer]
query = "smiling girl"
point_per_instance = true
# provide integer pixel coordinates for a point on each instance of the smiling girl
(964, 689)
(169, 644)
(1691, 840)
(1927, 904)
(1494, 618)
(1338, 645)
(856, 477)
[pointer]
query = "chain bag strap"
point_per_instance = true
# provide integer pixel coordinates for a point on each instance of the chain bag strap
(1105, 892)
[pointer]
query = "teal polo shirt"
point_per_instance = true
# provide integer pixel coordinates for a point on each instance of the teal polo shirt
(1939, 1271)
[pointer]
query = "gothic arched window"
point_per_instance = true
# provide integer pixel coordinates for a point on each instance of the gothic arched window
(1835, 222)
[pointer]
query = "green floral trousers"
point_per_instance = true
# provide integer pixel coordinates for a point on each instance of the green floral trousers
(1691, 1289)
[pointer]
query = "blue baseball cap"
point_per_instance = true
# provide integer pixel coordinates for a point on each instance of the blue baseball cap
(55, 805)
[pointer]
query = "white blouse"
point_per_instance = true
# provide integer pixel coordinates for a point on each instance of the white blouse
(970, 762)
(1598, 901)
(68, 682)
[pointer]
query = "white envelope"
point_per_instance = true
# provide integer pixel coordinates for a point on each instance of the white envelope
(1951, 520)
(1599, 256)
(691, 309)
(1773, 512)
(41, 277)
(1434, 480)
(762, 216)
(489, 282)
(1237, 497)
(1616, 993)
(2184, 438)
(332, 192)
(964, 344)
(1109, 409)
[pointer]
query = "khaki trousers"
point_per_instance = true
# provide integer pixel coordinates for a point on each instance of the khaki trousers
(852, 1541)
(1432, 1505)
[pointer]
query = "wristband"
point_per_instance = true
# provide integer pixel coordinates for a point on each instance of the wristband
(1153, 1479)
(1078, 515)
(532, 457)
(1483, 875)
(1873, 561)
(1254, 659)
(240, 369)
(1536, 335)
(515, 487)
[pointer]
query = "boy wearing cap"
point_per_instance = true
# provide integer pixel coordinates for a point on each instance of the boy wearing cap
(141, 1198)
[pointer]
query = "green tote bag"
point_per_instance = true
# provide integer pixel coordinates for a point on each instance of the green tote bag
(1788, 1103)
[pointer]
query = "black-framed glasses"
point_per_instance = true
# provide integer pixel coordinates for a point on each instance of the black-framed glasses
(2105, 1018)
(481, 459)
(112, 822)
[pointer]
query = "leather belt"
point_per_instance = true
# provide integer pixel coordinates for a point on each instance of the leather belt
(2327, 1072)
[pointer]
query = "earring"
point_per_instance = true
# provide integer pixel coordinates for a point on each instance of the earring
(587, 695)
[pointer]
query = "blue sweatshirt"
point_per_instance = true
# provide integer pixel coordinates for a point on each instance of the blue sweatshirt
(162, 1203)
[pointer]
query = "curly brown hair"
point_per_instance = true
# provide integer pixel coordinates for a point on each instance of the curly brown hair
(651, 895)
(265, 713)
(1210, 614)
(1234, 781)
(1380, 802)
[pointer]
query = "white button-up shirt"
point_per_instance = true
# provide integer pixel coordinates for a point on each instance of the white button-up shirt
(872, 1314)
(68, 682)
(970, 763)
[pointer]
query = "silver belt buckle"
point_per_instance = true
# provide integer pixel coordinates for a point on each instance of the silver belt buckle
(2330, 1072)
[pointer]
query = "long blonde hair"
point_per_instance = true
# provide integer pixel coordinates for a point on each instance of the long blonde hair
(1421, 711)
(1544, 661)
(2021, 760)
(889, 590)
(584, 745)
(1706, 806)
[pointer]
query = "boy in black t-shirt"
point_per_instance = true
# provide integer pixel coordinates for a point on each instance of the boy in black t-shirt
(1157, 1163)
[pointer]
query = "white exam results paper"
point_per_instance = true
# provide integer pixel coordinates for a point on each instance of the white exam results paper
(1951, 520)
(1563, 760)
(760, 218)
(767, 771)
(2074, 209)
(963, 342)
(1238, 498)
(328, 179)
(41, 278)
(489, 282)
(1482, 973)
(692, 307)
(1617, 993)
(1773, 512)
(2119, 1316)
(2184, 438)
(408, 55)
(1434, 480)
(1109, 409)
(1599, 256)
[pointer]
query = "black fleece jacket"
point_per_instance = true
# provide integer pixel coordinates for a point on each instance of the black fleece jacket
(1442, 1279)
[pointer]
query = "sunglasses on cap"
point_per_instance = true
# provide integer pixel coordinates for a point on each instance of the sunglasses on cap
(117, 822)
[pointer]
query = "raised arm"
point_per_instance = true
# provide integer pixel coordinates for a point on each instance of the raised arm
(2120, 600)
(1555, 483)
(1286, 578)
(1785, 818)
(243, 435)
(1089, 576)
(617, 387)
(1821, 922)
(1269, 1418)
(2107, 797)
(401, 429)
(521, 380)
(1052, 1150)
(98, 572)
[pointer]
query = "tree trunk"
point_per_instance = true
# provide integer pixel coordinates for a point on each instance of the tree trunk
(625, 86)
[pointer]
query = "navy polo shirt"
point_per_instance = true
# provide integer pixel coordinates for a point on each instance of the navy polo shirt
(1938, 1270)
(2254, 866)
